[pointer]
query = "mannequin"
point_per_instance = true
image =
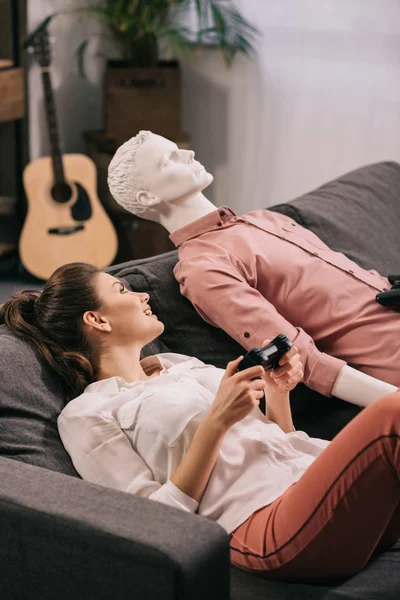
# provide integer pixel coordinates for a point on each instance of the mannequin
(177, 181)
(152, 178)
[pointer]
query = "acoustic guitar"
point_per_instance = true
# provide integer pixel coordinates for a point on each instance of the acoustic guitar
(65, 220)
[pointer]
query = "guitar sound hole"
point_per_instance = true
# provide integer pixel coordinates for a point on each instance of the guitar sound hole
(61, 192)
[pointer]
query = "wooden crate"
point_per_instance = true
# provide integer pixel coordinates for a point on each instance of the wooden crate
(12, 96)
(139, 98)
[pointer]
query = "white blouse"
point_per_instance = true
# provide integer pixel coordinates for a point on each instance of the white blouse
(133, 436)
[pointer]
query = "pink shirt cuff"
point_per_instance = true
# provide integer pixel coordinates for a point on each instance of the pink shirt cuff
(323, 373)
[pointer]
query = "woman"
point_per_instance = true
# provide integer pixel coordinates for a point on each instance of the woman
(190, 435)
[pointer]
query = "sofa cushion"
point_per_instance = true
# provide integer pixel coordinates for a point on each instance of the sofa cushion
(357, 214)
(31, 398)
(380, 579)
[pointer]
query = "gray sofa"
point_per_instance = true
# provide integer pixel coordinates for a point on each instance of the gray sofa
(64, 538)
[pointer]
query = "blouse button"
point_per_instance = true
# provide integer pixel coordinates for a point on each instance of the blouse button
(246, 334)
(222, 213)
(219, 223)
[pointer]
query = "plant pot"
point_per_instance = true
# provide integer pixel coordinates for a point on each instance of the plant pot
(142, 98)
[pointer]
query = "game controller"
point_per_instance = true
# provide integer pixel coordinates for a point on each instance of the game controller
(391, 298)
(269, 356)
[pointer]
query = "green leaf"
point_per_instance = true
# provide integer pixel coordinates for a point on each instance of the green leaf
(229, 53)
(176, 39)
(203, 33)
(201, 10)
(80, 55)
(131, 21)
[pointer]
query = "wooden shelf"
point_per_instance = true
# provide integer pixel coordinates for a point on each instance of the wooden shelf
(5, 63)
(12, 94)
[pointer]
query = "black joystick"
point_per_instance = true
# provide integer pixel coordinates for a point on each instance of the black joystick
(391, 298)
(268, 357)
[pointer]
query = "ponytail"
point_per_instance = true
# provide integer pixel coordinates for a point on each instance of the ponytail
(26, 315)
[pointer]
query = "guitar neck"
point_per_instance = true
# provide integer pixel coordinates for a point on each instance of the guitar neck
(51, 116)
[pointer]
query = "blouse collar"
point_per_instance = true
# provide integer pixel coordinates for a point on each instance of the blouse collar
(112, 385)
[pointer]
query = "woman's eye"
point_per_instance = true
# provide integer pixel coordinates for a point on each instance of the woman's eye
(122, 290)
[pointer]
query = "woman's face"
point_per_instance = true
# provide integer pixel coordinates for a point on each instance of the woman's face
(127, 313)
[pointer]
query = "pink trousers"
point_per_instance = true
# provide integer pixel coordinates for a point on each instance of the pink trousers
(343, 509)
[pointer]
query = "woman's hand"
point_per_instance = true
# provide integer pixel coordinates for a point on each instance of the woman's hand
(238, 394)
(285, 377)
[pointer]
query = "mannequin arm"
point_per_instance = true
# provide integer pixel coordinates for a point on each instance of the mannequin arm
(358, 388)
(223, 297)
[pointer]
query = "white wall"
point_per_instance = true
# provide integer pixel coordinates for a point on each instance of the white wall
(79, 101)
(321, 98)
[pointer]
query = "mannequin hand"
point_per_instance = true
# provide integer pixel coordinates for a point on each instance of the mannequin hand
(287, 375)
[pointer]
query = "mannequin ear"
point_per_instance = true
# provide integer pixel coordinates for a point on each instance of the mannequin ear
(145, 199)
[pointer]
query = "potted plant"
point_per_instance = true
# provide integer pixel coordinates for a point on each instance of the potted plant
(142, 91)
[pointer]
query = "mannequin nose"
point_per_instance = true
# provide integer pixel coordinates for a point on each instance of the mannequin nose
(186, 156)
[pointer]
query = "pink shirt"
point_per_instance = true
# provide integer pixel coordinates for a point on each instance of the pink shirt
(266, 275)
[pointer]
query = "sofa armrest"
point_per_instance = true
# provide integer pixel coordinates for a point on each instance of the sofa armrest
(62, 537)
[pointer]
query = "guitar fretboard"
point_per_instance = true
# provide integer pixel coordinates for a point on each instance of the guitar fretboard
(51, 117)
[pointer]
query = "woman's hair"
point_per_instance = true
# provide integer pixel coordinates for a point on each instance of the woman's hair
(52, 322)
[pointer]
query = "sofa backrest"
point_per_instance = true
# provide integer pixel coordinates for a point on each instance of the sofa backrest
(358, 214)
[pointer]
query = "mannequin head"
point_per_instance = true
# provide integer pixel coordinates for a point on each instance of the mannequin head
(149, 170)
